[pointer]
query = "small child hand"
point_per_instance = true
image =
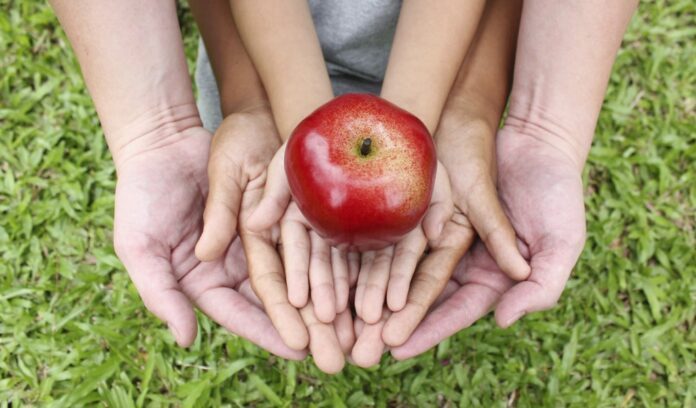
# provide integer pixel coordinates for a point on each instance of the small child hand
(466, 149)
(388, 271)
(312, 266)
(242, 147)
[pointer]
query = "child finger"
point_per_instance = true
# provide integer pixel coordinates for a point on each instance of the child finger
(369, 346)
(268, 281)
(492, 225)
(296, 252)
(276, 196)
(321, 279)
(376, 285)
(339, 265)
(323, 342)
(366, 259)
(429, 281)
(343, 325)
(353, 268)
(406, 256)
(221, 209)
(441, 205)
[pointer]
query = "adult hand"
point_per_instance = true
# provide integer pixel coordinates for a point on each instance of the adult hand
(541, 190)
(160, 197)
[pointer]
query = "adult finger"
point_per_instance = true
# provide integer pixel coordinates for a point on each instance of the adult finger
(321, 279)
(296, 250)
(158, 288)
(236, 314)
(406, 256)
(268, 281)
(323, 342)
(459, 311)
(276, 196)
(441, 205)
(375, 287)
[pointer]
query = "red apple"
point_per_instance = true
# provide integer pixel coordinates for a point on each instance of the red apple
(361, 170)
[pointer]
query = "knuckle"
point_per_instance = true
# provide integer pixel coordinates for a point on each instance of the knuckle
(405, 251)
(321, 256)
(298, 245)
(427, 282)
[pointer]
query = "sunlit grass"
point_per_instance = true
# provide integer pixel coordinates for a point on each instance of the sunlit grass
(73, 331)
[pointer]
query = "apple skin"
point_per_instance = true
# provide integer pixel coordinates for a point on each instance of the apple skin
(362, 201)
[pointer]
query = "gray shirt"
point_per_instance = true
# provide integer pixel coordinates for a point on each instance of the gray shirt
(355, 37)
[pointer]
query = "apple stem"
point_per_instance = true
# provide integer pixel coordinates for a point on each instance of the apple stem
(365, 147)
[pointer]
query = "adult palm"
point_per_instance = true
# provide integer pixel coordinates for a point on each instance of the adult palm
(160, 198)
(541, 191)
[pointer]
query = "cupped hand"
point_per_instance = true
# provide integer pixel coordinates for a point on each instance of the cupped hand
(241, 151)
(466, 149)
(387, 273)
(542, 194)
(160, 196)
(313, 268)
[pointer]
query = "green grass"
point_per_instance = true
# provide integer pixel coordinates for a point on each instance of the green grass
(73, 331)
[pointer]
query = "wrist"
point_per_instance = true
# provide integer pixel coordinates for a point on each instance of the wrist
(247, 104)
(242, 97)
(426, 109)
(534, 121)
(456, 122)
(157, 128)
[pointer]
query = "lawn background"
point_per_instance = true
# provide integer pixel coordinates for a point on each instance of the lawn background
(73, 331)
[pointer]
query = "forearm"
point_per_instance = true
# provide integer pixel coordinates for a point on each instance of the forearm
(280, 38)
(564, 58)
(133, 62)
(481, 89)
(239, 85)
(423, 62)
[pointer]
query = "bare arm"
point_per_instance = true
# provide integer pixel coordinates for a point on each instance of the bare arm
(431, 40)
(239, 85)
(465, 141)
(132, 58)
(482, 86)
(565, 53)
(280, 38)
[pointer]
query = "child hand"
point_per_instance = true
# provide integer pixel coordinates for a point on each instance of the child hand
(240, 152)
(466, 148)
(311, 264)
(388, 271)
